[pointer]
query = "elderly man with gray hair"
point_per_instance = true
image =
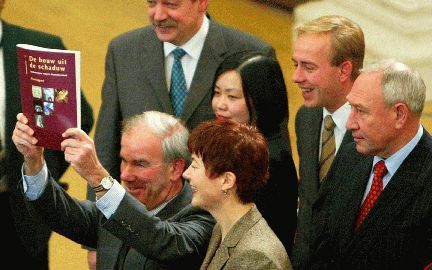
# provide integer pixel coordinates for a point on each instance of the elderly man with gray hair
(147, 222)
(377, 214)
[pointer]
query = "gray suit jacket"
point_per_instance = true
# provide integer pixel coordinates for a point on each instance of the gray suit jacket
(397, 232)
(308, 131)
(135, 82)
(250, 244)
(176, 238)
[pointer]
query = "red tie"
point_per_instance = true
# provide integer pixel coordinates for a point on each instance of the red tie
(377, 186)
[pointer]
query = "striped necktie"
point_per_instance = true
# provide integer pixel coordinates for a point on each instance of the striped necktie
(328, 147)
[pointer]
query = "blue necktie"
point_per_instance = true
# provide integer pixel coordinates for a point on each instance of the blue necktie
(178, 88)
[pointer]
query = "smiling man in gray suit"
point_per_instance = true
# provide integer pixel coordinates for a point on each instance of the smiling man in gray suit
(139, 63)
(147, 222)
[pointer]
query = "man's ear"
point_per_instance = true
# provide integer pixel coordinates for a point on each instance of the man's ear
(203, 4)
(346, 69)
(178, 166)
(401, 114)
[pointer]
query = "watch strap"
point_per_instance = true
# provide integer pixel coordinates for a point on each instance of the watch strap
(98, 188)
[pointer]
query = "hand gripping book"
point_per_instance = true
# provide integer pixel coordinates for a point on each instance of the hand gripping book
(50, 91)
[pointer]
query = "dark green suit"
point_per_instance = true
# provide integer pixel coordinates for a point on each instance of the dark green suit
(34, 253)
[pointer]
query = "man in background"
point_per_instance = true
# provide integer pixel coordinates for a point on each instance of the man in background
(25, 239)
(139, 66)
(328, 53)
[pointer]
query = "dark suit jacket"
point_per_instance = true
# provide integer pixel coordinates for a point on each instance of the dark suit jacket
(277, 200)
(397, 232)
(308, 131)
(36, 235)
(135, 82)
(176, 238)
(250, 244)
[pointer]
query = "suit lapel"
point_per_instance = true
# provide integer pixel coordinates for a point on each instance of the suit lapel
(210, 58)
(236, 233)
(347, 138)
(341, 197)
(13, 103)
(153, 53)
(111, 252)
(135, 260)
(179, 202)
(326, 186)
(221, 257)
(312, 148)
(352, 194)
(202, 82)
(397, 195)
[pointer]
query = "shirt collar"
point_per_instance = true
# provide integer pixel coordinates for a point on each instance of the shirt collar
(394, 161)
(340, 116)
(159, 208)
(194, 46)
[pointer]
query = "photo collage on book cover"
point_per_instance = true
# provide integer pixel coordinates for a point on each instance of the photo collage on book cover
(44, 99)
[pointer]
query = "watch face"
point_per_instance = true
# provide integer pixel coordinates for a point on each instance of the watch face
(107, 182)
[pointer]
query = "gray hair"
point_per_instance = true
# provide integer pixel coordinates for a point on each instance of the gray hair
(173, 133)
(400, 83)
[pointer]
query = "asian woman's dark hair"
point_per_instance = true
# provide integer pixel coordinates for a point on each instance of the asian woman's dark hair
(263, 88)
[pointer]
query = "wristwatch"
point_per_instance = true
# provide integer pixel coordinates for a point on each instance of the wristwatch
(105, 184)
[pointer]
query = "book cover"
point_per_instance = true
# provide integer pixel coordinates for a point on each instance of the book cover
(50, 91)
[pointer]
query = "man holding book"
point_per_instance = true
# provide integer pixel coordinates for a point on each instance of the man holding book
(147, 222)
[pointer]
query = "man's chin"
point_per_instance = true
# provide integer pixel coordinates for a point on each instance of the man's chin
(361, 149)
(164, 34)
(310, 103)
(135, 192)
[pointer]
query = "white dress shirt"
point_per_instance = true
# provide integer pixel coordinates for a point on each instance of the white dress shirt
(340, 117)
(193, 49)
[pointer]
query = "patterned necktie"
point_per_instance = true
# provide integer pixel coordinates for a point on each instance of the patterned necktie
(328, 147)
(380, 171)
(178, 88)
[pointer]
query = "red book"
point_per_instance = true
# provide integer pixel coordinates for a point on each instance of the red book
(50, 91)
